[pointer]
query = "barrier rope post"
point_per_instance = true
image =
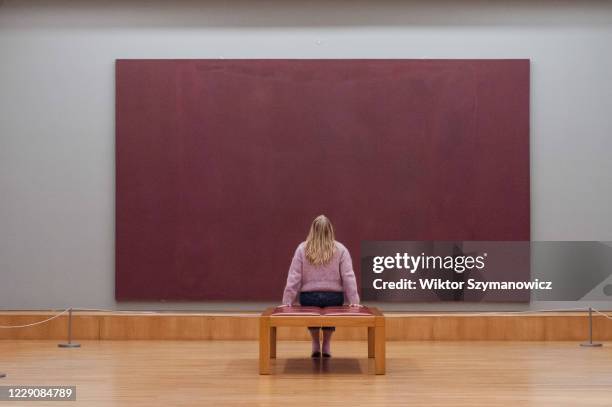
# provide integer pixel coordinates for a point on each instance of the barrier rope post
(590, 343)
(69, 344)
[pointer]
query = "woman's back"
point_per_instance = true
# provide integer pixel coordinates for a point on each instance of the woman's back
(322, 273)
(335, 275)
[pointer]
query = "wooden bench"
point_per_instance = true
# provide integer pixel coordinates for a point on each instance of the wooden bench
(365, 317)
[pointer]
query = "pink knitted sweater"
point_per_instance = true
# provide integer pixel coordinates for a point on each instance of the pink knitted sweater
(337, 275)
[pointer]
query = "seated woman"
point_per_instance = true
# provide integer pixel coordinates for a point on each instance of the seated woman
(322, 273)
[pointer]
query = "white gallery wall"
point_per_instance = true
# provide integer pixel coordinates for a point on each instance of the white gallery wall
(57, 112)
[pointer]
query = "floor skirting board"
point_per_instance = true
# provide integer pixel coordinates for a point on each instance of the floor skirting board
(558, 326)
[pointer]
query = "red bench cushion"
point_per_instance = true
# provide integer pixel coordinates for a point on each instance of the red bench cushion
(302, 311)
(347, 311)
(328, 311)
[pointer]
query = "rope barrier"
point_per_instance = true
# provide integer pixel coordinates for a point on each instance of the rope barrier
(113, 310)
(74, 309)
(156, 313)
(35, 323)
(525, 312)
(71, 344)
(601, 313)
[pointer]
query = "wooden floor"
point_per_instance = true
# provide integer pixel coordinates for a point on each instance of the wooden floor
(214, 373)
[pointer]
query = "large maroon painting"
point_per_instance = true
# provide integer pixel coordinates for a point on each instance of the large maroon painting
(222, 164)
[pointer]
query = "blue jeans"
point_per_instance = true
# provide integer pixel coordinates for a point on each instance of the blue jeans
(322, 299)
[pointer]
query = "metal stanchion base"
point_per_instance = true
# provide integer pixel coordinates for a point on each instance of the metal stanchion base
(69, 345)
(591, 345)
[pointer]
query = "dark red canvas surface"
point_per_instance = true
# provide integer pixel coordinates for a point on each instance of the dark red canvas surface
(222, 164)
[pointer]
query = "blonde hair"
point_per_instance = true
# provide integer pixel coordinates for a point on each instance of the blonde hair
(320, 243)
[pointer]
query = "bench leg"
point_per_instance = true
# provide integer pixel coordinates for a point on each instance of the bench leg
(371, 341)
(264, 345)
(273, 342)
(379, 348)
